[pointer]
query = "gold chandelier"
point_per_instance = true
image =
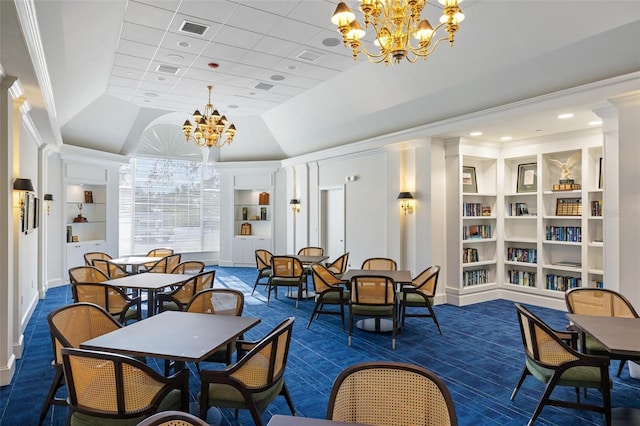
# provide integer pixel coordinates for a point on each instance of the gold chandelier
(395, 22)
(210, 127)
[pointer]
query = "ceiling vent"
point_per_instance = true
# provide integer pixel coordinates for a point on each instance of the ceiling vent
(309, 56)
(193, 28)
(264, 86)
(168, 69)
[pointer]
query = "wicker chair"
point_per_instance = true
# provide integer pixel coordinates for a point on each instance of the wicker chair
(69, 326)
(112, 270)
(286, 271)
(263, 264)
(165, 264)
(330, 290)
(600, 302)
(380, 264)
(105, 386)
(339, 266)
(389, 394)
(91, 256)
(173, 418)
(160, 252)
(189, 267)
(311, 251)
(255, 380)
(420, 295)
(552, 361)
(113, 299)
(87, 274)
(219, 301)
(373, 296)
(179, 298)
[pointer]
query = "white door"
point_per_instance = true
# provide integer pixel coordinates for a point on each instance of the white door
(333, 222)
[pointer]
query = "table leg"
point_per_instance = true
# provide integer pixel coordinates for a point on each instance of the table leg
(151, 302)
(379, 325)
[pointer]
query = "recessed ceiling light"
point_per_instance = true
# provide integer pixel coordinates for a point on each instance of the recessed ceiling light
(595, 123)
(129, 74)
(184, 44)
(506, 138)
(160, 78)
(277, 77)
(331, 41)
(151, 94)
(292, 67)
(565, 116)
(234, 106)
(475, 134)
(174, 56)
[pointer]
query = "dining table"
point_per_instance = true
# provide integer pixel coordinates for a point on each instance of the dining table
(174, 335)
(133, 264)
(151, 282)
(378, 325)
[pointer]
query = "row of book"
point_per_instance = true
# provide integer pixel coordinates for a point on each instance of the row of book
(476, 232)
(527, 255)
(475, 277)
(469, 255)
(562, 283)
(597, 283)
(517, 209)
(564, 233)
(475, 209)
(524, 278)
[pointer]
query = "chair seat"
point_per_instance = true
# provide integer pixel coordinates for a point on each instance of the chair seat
(170, 306)
(372, 310)
(170, 402)
(594, 347)
(230, 397)
(414, 299)
(333, 297)
(265, 273)
(577, 377)
(285, 281)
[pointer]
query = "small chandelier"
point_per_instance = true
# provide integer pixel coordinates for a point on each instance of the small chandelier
(395, 22)
(210, 127)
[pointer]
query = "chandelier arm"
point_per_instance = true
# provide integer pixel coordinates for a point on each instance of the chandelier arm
(430, 48)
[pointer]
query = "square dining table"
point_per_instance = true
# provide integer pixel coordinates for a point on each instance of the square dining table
(151, 282)
(176, 336)
(133, 263)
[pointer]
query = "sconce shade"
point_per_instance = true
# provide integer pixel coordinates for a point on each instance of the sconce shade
(48, 197)
(22, 184)
(405, 196)
(294, 201)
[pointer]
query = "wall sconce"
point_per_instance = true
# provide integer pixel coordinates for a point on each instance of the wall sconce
(48, 198)
(406, 205)
(24, 185)
(295, 205)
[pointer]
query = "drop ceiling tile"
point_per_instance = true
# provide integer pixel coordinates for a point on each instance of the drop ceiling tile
(258, 20)
(124, 72)
(245, 70)
(276, 46)
(141, 34)
(173, 57)
(282, 8)
(196, 44)
(317, 13)
(131, 62)
(140, 50)
(148, 15)
(164, 4)
(287, 27)
(218, 52)
(124, 82)
(238, 37)
(258, 59)
(213, 11)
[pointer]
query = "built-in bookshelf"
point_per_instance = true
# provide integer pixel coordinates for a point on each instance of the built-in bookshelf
(543, 229)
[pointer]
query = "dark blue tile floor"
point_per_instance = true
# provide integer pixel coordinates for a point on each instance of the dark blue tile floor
(479, 356)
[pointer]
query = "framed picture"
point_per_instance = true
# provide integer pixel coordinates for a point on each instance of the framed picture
(469, 183)
(600, 174)
(527, 177)
(28, 213)
(36, 212)
(88, 197)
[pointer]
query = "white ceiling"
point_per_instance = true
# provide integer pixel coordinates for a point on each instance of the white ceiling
(102, 58)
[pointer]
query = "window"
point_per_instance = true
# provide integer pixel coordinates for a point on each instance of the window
(169, 203)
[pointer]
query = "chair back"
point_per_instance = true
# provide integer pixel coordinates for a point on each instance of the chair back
(104, 384)
(220, 301)
(339, 266)
(190, 267)
(73, 324)
(263, 259)
(113, 299)
(390, 393)
(374, 290)
(204, 280)
(427, 281)
(599, 302)
(87, 274)
(311, 251)
(112, 270)
(379, 264)
(286, 267)
(323, 278)
(160, 252)
(173, 418)
(264, 365)
(165, 264)
(89, 257)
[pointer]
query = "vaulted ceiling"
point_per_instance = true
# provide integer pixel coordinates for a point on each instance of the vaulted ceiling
(123, 75)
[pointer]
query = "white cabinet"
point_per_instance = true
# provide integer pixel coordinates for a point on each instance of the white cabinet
(253, 208)
(76, 251)
(244, 248)
(85, 212)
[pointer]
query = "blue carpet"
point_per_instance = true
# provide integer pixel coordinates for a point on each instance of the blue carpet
(479, 356)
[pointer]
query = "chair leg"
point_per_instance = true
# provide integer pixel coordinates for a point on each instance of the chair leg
(342, 314)
(315, 311)
(285, 392)
(543, 400)
(620, 367)
(55, 384)
(525, 373)
(433, 317)
(350, 327)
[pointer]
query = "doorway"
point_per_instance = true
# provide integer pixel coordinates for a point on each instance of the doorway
(332, 221)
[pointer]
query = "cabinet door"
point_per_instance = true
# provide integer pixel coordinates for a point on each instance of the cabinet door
(261, 244)
(75, 254)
